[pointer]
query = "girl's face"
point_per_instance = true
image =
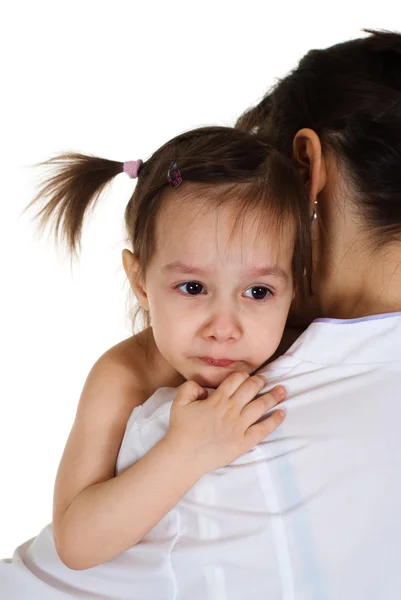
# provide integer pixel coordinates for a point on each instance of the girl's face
(218, 295)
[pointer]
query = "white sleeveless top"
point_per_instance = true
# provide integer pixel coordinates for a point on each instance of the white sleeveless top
(311, 513)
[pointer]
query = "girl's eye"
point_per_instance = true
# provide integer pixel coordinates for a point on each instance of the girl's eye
(257, 292)
(192, 288)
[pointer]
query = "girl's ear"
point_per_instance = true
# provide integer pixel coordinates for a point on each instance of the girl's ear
(131, 268)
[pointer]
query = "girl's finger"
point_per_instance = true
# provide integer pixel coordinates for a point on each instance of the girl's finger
(189, 392)
(230, 385)
(248, 390)
(258, 432)
(260, 406)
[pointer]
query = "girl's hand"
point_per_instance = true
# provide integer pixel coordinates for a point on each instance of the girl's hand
(213, 431)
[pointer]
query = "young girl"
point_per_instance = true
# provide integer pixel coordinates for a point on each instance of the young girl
(219, 227)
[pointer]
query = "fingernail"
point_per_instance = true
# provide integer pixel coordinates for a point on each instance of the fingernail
(263, 377)
(281, 413)
(280, 392)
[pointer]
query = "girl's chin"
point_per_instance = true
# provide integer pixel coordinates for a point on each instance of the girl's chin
(212, 380)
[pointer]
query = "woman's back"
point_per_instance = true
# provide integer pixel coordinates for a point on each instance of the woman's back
(334, 463)
(304, 515)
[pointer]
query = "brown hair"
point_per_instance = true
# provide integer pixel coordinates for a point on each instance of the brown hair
(350, 95)
(219, 157)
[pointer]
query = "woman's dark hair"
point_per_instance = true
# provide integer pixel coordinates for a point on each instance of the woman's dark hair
(233, 166)
(350, 95)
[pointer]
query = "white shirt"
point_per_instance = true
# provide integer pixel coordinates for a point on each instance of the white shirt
(311, 513)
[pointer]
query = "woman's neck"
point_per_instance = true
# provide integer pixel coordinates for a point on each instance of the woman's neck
(352, 277)
(363, 283)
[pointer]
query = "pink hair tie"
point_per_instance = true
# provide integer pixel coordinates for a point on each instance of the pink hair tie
(131, 167)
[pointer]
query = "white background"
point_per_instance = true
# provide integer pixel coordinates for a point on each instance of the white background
(115, 79)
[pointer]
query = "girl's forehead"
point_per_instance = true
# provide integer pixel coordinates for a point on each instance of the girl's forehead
(210, 233)
(199, 205)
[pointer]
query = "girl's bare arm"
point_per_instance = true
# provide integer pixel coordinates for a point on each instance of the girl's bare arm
(95, 514)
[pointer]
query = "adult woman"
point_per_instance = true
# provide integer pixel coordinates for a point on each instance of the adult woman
(339, 114)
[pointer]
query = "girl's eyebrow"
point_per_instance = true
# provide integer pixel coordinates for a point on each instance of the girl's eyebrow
(180, 267)
(269, 272)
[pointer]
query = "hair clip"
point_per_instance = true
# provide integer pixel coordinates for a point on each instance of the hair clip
(177, 178)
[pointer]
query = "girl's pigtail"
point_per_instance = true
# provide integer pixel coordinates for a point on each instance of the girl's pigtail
(71, 190)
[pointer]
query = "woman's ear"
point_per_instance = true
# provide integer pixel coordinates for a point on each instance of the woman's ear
(131, 267)
(307, 150)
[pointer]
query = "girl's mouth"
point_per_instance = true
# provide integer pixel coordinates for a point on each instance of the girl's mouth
(221, 362)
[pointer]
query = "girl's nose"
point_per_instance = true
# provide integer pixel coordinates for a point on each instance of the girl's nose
(223, 326)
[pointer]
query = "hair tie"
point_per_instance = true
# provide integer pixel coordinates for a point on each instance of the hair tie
(131, 167)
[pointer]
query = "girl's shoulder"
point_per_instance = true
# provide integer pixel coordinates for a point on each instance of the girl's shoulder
(127, 360)
(140, 364)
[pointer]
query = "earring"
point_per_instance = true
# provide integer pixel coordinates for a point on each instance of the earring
(314, 214)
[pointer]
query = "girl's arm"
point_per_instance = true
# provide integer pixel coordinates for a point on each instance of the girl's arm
(98, 515)
(95, 514)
